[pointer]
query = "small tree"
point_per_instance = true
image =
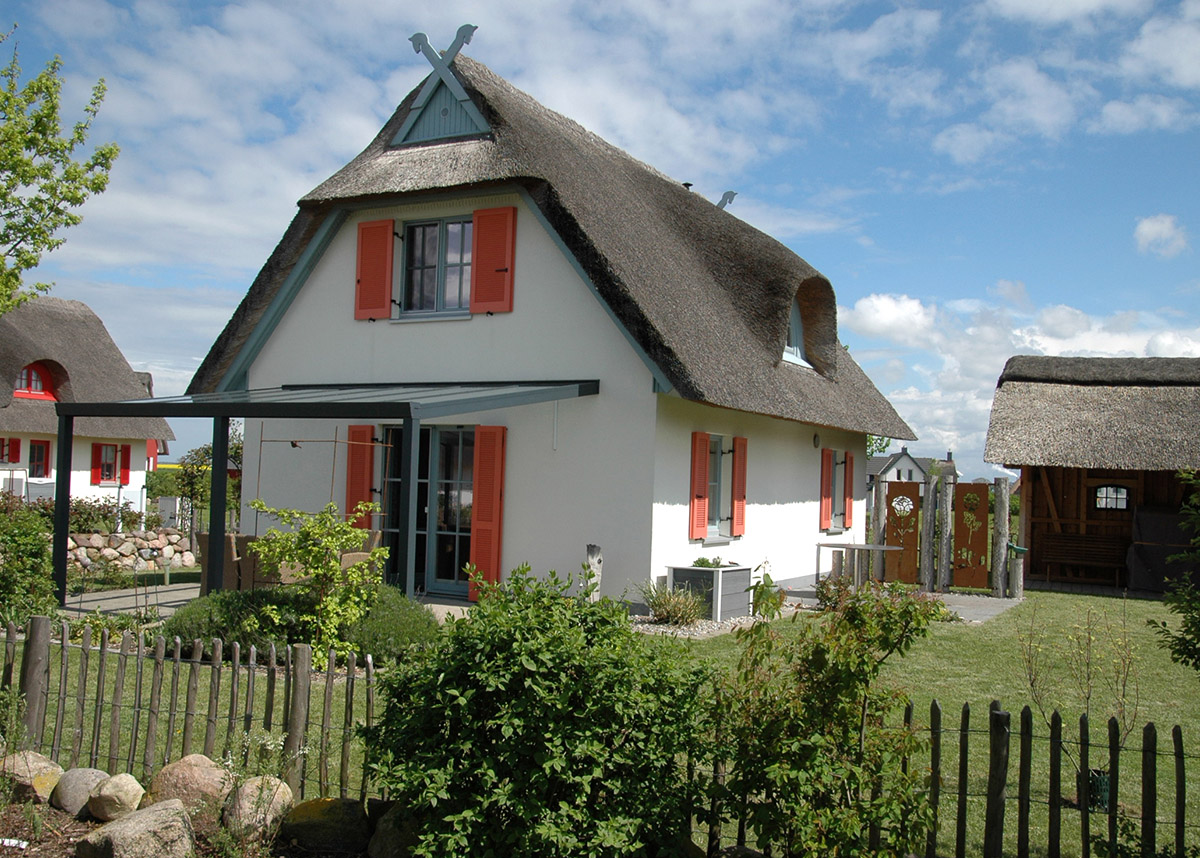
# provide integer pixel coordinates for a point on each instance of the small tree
(26, 585)
(313, 548)
(877, 445)
(1183, 597)
(41, 183)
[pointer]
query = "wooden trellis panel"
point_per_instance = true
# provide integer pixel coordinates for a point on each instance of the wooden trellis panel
(971, 535)
(903, 513)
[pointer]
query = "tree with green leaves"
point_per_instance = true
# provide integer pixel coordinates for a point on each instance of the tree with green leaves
(41, 180)
(1183, 595)
(877, 445)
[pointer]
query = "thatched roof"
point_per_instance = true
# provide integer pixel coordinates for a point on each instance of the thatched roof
(705, 296)
(1123, 413)
(85, 364)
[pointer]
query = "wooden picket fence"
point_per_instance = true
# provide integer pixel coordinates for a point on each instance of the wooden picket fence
(133, 708)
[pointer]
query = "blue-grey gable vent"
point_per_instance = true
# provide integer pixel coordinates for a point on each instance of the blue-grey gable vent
(442, 110)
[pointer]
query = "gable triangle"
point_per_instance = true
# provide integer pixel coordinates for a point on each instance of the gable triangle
(443, 110)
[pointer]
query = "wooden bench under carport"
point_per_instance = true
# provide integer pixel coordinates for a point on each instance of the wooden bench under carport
(1084, 550)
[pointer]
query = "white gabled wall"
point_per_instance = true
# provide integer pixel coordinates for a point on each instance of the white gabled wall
(577, 473)
(782, 490)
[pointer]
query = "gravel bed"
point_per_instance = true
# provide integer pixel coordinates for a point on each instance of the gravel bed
(699, 629)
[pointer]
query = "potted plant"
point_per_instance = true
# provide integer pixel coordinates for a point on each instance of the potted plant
(722, 584)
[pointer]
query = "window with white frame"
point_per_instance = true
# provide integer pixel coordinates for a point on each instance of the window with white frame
(793, 350)
(718, 504)
(437, 266)
(837, 490)
(1112, 497)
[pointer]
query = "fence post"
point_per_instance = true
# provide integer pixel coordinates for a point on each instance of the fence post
(1000, 538)
(1054, 833)
(35, 678)
(1085, 789)
(935, 774)
(960, 821)
(1024, 773)
(1180, 790)
(945, 517)
(293, 744)
(926, 553)
(1114, 774)
(1149, 788)
(997, 788)
(878, 528)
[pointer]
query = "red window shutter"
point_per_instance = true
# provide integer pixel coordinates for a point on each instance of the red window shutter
(493, 252)
(848, 490)
(126, 451)
(738, 525)
(698, 506)
(360, 470)
(487, 512)
(826, 488)
(151, 454)
(14, 450)
(373, 279)
(97, 463)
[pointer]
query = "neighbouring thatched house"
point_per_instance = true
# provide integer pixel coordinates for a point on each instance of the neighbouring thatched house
(1099, 442)
(521, 340)
(53, 351)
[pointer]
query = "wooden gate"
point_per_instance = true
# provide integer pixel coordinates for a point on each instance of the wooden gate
(903, 513)
(970, 535)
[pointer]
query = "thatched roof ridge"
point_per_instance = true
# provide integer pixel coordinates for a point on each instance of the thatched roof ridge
(85, 364)
(705, 295)
(1059, 412)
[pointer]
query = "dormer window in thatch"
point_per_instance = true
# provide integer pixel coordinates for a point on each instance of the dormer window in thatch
(33, 382)
(793, 350)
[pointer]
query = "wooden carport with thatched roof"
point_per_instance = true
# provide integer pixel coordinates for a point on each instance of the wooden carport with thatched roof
(1099, 442)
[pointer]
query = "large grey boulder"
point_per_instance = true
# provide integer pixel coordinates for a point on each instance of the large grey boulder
(195, 780)
(73, 790)
(162, 830)
(254, 810)
(327, 825)
(115, 797)
(394, 835)
(33, 776)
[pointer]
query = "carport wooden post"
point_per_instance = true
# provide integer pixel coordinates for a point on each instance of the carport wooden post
(214, 564)
(410, 440)
(62, 504)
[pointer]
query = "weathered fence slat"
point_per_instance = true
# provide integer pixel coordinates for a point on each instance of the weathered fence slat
(251, 671)
(323, 757)
(368, 717)
(935, 774)
(193, 689)
(235, 659)
(139, 672)
(1024, 775)
(272, 667)
(60, 710)
(85, 648)
(1054, 832)
(10, 654)
(293, 745)
(960, 820)
(1149, 788)
(1114, 776)
(176, 652)
(348, 730)
(1180, 791)
(35, 678)
(114, 715)
(156, 680)
(98, 718)
(1085, 790)
(997, 783)
(214, 698)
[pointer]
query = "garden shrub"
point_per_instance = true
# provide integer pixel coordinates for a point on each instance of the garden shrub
(26, 579)
(815, 757)
(394, 623)
(280, 615)
(676, 606)
(540, 724)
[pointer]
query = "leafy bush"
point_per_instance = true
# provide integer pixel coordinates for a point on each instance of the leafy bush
(677, 606)
(708, 562)
(393, 624)
(99, 515)
(809, 734)
(539, 725)
(26, 580)
(280, 615)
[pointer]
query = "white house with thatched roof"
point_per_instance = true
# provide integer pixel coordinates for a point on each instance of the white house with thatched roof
(521, 341)
(54, 351)
(1099, 443)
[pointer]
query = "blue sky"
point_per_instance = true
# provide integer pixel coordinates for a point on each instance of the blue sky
(977, 181)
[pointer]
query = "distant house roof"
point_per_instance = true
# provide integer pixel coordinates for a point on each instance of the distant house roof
(705, 296)
(1124, 413)
(85, 366)
(877, 465)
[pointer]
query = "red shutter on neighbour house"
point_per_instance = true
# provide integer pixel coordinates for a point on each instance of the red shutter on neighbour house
(151, 454)
(698, 506)
(487, 511)
(360, 470)
(14, 450)
(373, 279)
(126, 451)
(826, 488)
(97, 463)
(848, 490)
(738, 524)
(493, 252)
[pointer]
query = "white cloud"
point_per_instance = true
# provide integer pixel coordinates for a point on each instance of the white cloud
(1014, 292)
(967, 143)
(1161, 235)
(898, 318)
(1144, 113)
(1061, 11)
(1026, 99)
(1167, 47)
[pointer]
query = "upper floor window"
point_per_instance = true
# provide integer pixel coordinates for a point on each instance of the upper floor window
(1112, 497)
(33, 382)
(437, 266)
(793, 350)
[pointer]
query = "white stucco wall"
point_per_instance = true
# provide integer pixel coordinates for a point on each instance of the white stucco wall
(582, 472)
(782, 490)
(81, 470)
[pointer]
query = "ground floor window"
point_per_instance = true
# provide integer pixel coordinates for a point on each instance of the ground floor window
(39, 459)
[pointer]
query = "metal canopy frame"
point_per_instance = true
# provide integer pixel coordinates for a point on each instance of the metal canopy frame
(409, 403)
